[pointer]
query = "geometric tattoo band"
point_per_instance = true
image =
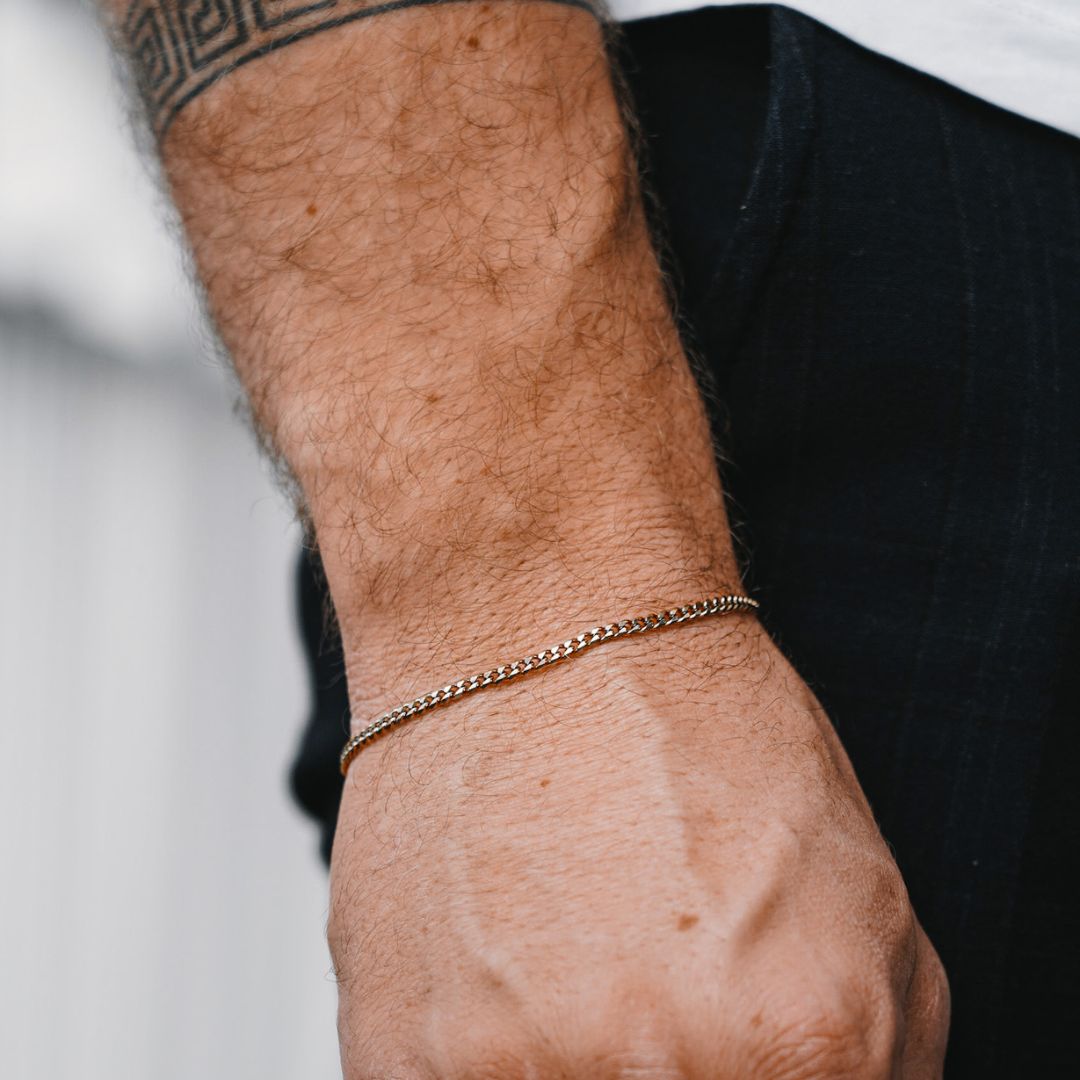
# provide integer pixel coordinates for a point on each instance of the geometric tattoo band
(179, 48)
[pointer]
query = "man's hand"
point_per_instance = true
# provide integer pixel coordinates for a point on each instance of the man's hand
(423, 243)
(653, 862)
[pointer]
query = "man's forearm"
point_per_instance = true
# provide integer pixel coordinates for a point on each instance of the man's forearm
(423, 244)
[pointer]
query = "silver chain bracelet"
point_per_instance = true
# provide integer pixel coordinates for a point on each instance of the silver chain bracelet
(716, 605)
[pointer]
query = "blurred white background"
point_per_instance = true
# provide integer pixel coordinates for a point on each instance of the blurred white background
(161, 904)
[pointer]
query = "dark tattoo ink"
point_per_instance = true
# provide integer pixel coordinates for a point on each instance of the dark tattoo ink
(179, 48)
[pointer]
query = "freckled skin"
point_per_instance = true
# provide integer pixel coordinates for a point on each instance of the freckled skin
(463, 354)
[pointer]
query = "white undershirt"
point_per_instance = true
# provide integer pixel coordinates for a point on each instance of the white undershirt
(1021, 54)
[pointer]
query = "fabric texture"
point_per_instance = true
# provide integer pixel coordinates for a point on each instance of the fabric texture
(1021, 54)
(878, 276)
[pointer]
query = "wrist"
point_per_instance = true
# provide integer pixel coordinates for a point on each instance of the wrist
(549, 502)
(456, 627)
(601, 668)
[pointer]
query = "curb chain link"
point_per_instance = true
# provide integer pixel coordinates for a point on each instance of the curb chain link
(716, 605)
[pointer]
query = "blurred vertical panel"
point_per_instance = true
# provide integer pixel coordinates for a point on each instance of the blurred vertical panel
(162, 909)
(161, 905)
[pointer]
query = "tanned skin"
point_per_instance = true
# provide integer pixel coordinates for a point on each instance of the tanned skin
(422, 240)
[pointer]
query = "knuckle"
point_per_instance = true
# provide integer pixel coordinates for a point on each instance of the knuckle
(825, 1033)
(809, 1048)
(817, 1054)
(559, 1045)
(650, 1063)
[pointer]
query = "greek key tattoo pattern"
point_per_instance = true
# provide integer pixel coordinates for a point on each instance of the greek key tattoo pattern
(179, 48)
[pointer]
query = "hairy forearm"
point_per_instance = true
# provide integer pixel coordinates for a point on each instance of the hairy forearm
(423, 244)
